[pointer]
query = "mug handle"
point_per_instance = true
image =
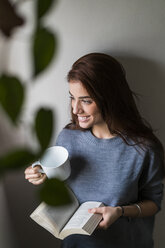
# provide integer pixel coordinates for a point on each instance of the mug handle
(37, 163)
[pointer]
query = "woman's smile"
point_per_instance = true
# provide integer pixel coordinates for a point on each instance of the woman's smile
(83, 118)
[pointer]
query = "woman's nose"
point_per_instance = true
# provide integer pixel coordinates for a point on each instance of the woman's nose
(77, 109)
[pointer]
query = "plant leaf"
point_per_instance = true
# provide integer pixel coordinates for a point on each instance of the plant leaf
(11, 96)
(55, 193)
(43, 50)
(43, 6)
(9, 18)
(17, 159)
(44, 127)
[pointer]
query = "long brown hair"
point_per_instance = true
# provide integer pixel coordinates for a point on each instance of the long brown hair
(105, 80)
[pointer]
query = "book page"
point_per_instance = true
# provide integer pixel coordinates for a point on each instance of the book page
(54, 217)
(81, 216)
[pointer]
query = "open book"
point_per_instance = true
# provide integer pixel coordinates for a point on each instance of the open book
(70, 219)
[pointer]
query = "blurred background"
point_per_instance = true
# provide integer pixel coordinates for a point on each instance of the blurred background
(131, 31)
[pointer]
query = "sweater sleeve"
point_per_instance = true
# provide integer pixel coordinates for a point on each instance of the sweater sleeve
(151, 181)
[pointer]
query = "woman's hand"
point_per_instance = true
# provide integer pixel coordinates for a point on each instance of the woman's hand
(109, 214)
(33, 176)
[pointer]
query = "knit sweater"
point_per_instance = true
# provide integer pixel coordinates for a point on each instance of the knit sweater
(110, 171)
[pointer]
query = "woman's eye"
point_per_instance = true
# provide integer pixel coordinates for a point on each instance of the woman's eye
(87, 101)
(83, 101)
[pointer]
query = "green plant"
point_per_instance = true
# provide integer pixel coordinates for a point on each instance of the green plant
(13, 91)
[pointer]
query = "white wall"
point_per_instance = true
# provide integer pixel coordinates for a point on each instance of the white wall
(131, 30)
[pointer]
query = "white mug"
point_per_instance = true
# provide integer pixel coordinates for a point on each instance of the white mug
(55, 163)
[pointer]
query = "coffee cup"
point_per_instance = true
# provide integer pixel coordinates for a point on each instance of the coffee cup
(55, 163)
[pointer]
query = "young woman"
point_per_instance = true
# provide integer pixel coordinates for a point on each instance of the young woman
(115, 157)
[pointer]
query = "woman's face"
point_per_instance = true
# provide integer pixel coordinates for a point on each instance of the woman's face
(84, 106)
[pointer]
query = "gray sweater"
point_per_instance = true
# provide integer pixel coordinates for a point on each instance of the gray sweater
(110, 171)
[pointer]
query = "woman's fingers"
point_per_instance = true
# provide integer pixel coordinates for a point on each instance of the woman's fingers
(31, 170)
(38, 180)
(100, 210)
(109, 215)
(34, 176)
